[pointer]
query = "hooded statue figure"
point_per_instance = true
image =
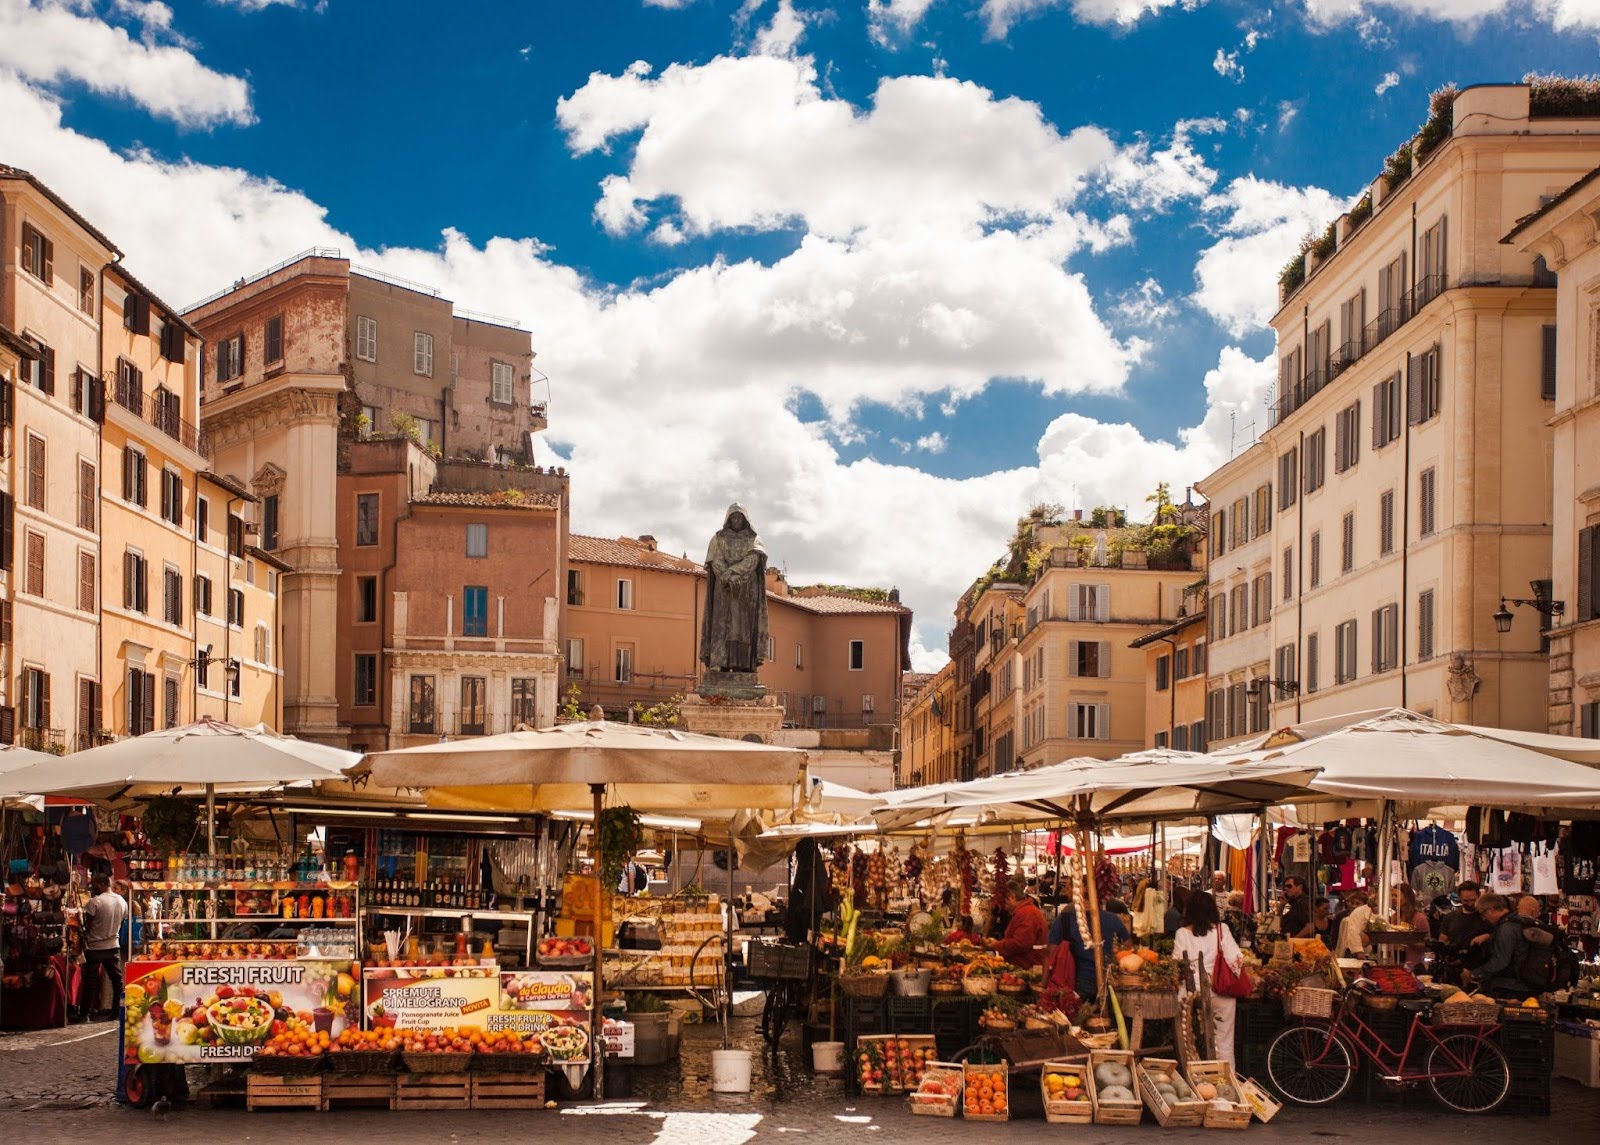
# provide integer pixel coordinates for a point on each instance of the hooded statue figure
(733, 634)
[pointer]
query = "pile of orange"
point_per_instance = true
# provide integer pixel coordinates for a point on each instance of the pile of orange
(295, 1043)
(986, 1094)
(383, 1040)
(504, 1042)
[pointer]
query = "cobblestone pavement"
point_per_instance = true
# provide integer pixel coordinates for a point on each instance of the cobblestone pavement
(56, 1086)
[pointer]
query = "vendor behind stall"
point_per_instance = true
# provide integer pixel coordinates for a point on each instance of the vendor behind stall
(1073, 930)
(1023, 943)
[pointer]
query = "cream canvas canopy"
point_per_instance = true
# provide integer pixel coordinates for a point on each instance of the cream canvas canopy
(555, 769)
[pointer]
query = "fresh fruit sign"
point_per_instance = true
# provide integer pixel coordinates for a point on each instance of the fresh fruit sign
(436, 998)
(193, 1012)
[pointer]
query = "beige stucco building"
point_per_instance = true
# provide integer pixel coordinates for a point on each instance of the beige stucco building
(1175, 684)
(1408, 451)
(1565, 233)
(927, 732)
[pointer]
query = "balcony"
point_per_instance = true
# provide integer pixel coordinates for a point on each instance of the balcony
(52, 740)
(1388, 321)
(161, 411)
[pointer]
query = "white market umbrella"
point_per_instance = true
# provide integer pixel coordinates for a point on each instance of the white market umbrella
(14, 759)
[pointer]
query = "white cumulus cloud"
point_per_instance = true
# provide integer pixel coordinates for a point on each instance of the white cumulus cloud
(1562, 15)
(1389, 80)
(1002, 15)
(55, 44)
(889, 22)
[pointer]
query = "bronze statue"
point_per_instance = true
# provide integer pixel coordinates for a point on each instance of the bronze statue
(733, 633)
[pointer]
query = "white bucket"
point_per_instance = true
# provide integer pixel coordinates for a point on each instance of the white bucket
(911, 983)
(827, 1057)
(730, 1071)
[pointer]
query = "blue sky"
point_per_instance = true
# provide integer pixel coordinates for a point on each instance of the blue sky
(886, 270)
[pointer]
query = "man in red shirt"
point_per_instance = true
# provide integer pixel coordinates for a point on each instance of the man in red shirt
(1026, 934)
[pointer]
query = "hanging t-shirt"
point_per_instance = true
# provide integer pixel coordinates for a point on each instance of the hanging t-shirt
(1433, 844)
(1578, 867)
(1432, 879)
(1505, 874)
(1544, 873)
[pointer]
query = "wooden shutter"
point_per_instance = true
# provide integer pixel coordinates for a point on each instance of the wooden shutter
(1102, 602)
(128, 574)
(147, 704)
(1312, 656)
(1425, 625)
(44, 699)
(86, 723)
(8, 402)
(1104, 658)
(86, 582)
(47, 370)
(49, 248)
(1414, 383)
(1547, 365)
(6, 633)
(1386, 522)
(35, 578)
(87, 490)
(1072, 657)
(8, 530)
(1588, 599)
(1102, 721)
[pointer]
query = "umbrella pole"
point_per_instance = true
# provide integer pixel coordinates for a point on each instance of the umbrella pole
(1090, 864)
(211, 820)
(727, 945)
(1385, 860)
(602, 898)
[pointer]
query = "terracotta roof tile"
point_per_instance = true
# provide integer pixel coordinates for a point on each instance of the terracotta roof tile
(628, 553)
(522, 500)
(830, 604)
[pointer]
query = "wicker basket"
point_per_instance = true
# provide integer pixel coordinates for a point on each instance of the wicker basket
(1466, 1014)
(864, 985)
(282, 1065)
(1311, 1002)
(436, 1063)
(1381, 1002)
(1122, 980)
(507, 1063)
(362, 1061)
(978, 987)
(945, 988)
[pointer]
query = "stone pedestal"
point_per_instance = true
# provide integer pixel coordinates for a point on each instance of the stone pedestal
(755, 720)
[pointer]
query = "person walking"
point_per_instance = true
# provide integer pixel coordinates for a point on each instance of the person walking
(1203, 938)
(103, 916)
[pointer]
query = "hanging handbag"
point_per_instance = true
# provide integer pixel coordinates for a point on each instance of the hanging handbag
(1227, 981)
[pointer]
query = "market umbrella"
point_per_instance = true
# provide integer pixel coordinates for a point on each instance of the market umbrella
(644, 767)
(13, 759)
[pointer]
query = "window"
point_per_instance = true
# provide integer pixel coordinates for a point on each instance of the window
(575, 664)
(1316, 460)
(135, 581)
(1386, 420)
(475, 610)
(769, 650)
(1589, 720)
(473, 718)
(1241, 522)
(1263, 506)
(1284, 668)
(1427, 520)
(858, 655)
(1430, 265)
(1318, 346)
(202, 595)
(1352, 326)
(1180, 738)
(1386, 523)
(1588, 574)
(1216, 714)
(422, 354)
(38, 254)
(575, 587)
(202, 520)
(141, 702)
(1089, 602)
(1197, 666)
(1391, 296)
(172, 497)
(236, 607)
(269, 522)
(421, 710)
(171, 595)
(272, 344)
(1239, 608)
(1347, 438)
(1089, 721)
(135, 475)
(1219, 532)
(1313, 662)
(36, 472)
(1290, 379)
(1385, 638)
(40, 372)
(230, 358)
(1162, 739)
(235, 677)
(1238, 710)
(524, 703)
(88, 493)
(1217, 616)
(86, 290)
(1547, 364)
(477, 541)
(427, 434)
(1286, 577)
(1089, 658)
(86, 582)
(1289, 478)
(1261, 598)
(1347, 543)
(171, 708)
(624, 664)
(367, 344)
(1425, 625)
(367, 421)
(799, 655)
(1180, 663)
(366, 600)
(87, 396)
(366, 519)
(136, 313)
(1344, 652)
(624, 594)
(1163, 673)
(366, 680)
(91, 718)
(501, 379)
(1422, 386)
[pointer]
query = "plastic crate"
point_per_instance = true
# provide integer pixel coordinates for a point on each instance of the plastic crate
(774, 960)
(910, 1016)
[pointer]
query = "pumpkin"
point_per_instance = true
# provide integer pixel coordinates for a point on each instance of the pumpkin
(1116, 1093)
(1206, 1091)
(1131, 963)
(1149, 955)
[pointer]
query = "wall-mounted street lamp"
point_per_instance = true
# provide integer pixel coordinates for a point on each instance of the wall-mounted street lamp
(1503, 615)
(1285, 688)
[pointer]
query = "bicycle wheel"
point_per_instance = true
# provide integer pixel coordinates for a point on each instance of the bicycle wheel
(775, 1014)
(1486, 1078)
(1310, 1065)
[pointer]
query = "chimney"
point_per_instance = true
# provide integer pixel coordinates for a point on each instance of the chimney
(1077, 514)
(894, 596)
(647, 541)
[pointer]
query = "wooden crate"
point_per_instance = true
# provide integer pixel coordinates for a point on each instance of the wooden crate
(1066, 1112)
(357, 1090)
(508, 1090)
(971, 1073)
(432, 1091)
(1116, 1112)
(269, 1092)
(1262, 1103)
(885, 1051)
(939, 1105)
(1237, 1115)
(1169, 1114)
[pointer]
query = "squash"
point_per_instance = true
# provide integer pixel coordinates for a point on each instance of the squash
(1130, 963)
(1149, 955)
(1205, 1091)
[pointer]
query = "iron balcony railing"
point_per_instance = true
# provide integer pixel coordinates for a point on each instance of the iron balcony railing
(1388, 320)
(161, 414)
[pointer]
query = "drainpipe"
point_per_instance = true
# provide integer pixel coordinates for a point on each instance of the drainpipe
(1405, 538)
(100, 485)
(1172, 687)
(227, 606)
(1300, 578)
(385, 697)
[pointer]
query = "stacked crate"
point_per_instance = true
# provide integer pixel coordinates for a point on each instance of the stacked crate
(1530, 1046)
(954, 1022)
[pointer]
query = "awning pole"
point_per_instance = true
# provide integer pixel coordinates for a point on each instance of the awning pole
(602, 898)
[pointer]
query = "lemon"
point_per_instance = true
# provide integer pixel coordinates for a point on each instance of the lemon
(134, 994)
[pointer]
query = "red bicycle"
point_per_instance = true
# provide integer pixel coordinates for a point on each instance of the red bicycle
(1314, 1062)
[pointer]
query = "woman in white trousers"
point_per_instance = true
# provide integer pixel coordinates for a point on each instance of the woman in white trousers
(1202, 937)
